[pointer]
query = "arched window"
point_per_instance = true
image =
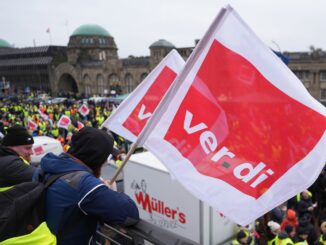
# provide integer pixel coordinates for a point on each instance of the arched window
(142, 77)
(128, 83)
(87, 85)
(100, 84)
(114, 84)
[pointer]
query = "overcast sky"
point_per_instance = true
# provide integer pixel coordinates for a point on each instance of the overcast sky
(291, 25)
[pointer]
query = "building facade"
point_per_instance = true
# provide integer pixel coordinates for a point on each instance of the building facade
(310, 68)
(90, 65)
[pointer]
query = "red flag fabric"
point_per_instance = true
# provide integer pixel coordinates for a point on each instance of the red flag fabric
(240, 132)
(80, 125)
(83, 110)
(32, 125)
(43, 115)
(38, 150)
(64, 122)
(131, 116)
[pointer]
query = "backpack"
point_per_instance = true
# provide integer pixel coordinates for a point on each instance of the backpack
(23, 206)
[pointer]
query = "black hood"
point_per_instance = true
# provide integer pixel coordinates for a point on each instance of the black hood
(5, 151)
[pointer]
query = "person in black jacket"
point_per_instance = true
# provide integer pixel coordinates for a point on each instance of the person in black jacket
(305, 205)
(305, 224)
(15, 154)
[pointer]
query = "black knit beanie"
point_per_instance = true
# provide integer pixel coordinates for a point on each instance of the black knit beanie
(17, 135)
(92, 146)
(241, 234)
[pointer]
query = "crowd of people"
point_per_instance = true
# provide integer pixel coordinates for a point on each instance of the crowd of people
(78, 199)
(301, 220)
(46, 115)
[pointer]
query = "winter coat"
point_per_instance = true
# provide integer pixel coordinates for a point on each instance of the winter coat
(13, 170)
(76, 202)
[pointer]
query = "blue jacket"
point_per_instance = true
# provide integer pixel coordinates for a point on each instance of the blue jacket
(77, 201)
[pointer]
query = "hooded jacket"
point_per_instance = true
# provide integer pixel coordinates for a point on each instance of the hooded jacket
(77, 201)
(291, 218)
(13, 169)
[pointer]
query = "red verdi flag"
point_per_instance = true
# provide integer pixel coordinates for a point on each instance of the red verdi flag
(64, 122)
(240, 132)
(131, 116)
(83, 110)
(80, 125)
(32, 125)
(43, 115)
(38, 150)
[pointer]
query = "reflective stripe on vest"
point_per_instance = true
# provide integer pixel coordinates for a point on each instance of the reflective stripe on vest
(40, 236)
(283, 241)
(2, 189)
(321, 240)
(235, 242)
(272, 241)
(301, 243)
(24, 160)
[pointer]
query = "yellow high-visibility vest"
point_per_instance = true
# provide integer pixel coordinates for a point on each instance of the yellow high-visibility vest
(40, 236)
(321, 239)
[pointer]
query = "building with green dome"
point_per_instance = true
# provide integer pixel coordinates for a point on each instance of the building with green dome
(4, 44)
(91, 30)
(89, 65)
(93, 65)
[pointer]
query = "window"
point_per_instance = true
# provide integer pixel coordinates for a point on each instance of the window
(102, 41)
(87, 82)
(100, 84)
(322, 76)
(323, 94)
(302, 75)
(128, 82)
(102, 55)
(143, 76)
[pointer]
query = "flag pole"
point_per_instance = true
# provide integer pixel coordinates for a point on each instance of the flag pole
(117, 172)
(124, 162)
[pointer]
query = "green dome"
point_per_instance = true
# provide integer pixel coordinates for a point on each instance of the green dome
(162, 43)
(91, 30)
(4, 44)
